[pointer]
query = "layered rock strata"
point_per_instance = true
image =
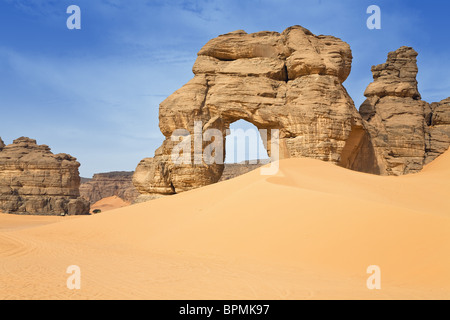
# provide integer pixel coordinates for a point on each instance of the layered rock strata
(405, 131)
(33, 180)
(105, 185)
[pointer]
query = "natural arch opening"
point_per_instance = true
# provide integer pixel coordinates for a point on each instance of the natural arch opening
(244, 145)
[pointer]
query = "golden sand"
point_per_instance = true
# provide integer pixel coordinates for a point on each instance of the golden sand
(310, 232)
(108, 204)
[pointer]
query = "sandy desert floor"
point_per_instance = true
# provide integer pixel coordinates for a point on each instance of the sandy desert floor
(310, 232)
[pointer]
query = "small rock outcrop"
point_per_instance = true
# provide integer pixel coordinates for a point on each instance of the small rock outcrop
(33, 180)
(290, 81)
(405, 131)
(105, 185)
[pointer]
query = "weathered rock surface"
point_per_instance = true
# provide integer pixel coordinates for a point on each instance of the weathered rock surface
(396, 77)
(105, 185)
(437, 135)
(405, 131)
(35, 181)
(233, 170)
(148, 197)
(290, 81)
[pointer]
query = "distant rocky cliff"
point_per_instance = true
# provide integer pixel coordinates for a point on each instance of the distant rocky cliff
(104, 185)
(33, 180)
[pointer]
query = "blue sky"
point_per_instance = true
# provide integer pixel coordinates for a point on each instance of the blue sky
(94, 92)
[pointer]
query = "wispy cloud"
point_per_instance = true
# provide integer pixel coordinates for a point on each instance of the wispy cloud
(37, 8)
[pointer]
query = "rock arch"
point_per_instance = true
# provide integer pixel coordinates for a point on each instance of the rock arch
(255, 142)
(290, 81)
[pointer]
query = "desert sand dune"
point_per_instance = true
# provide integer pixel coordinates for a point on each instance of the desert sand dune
(109, 203)
(310, 232)
(10, 222)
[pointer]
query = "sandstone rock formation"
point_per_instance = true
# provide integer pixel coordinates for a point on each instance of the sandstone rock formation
(405, 131)
(437, 134)
(293, 82)
(290, 81)
(35, 181)
(105, 185)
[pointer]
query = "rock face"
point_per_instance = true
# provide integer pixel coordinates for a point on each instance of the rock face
(105, 185)
(35, 181)
(405, 131)
(233, 170)
(437, 135)
(290, 81)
